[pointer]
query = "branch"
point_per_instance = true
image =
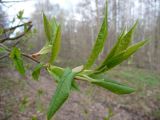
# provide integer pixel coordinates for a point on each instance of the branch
(23, 54)
(13, 28)
(19, 36)
(30, 57)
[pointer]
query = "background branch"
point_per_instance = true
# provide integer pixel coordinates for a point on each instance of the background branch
(13, 28)
(19, 36)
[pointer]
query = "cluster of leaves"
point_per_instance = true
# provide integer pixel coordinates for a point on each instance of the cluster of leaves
(66, 77)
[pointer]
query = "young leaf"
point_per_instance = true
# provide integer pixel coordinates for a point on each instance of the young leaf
(46, 49)
(50, 28)
(47, 28)
(100, 76)
(20, 14)
(75, 86)
(15, 55)
(112, 62)
(62, 92)
(54, 26)
(57, 72)
(112, 52)
(114, 87)
(36, 71)
(133, 48)
(123, 42)
(111, 85)
(100, 41)
(128, 52)
(56, 45)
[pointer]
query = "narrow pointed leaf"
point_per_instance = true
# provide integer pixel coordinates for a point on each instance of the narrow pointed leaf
(110, 85)
(46, 49)
(112, 52)
(133, 48)
(57, 72)
(100, 76)
(112, 62)
(115, 60)
(114, 87)
(125, 40)
(122, 44)
(99, 44)
(75, 86)
(56, 45)
(20, 14)
(47, 28)
(50, 28)
(62, 92)
(54, 26)
(36, 71)
(121, 57)
(16, 57)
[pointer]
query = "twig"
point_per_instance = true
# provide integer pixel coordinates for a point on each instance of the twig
(23, 54)
(13, 28)
(30, 57)
(17, 37)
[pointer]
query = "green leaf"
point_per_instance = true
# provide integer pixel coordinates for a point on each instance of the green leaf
(110, 85)
(125, 55)
(122, 44)
(114, 87)
(46, 49)
(36, 71)
(54, 27)
(112, 52)
(20, 14)
(62, 92)
(133, 48)
(57, 72)
(100, 41)
(15, 55)
(50, 28)
(47, 28)
(75, 86)
(125, 40)
(112, 62)
(104, 76)
(55, 45)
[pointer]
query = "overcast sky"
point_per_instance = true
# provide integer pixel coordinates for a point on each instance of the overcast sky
(28, 6)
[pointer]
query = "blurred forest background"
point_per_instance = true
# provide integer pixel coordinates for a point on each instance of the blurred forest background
(80, 21)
